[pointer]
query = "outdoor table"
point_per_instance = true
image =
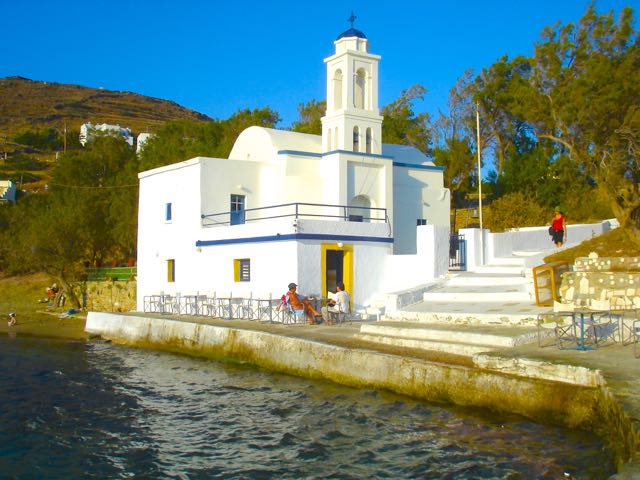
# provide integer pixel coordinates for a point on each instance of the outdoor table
(581, 314)
(594, 328)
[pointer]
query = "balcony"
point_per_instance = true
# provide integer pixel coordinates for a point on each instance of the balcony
(298, 221)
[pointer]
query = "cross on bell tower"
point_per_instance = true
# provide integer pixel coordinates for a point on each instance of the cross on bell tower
(352, 19)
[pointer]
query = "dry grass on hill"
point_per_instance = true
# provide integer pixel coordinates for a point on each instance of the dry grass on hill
(615, 243)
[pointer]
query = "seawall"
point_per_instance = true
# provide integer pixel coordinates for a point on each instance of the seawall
(562, 395)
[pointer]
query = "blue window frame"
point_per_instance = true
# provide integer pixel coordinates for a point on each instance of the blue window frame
(168, 214)
(237, 209)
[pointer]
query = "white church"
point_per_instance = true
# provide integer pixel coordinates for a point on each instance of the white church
(292, 207)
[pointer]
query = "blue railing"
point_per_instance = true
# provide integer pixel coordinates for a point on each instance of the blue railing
(348, 213)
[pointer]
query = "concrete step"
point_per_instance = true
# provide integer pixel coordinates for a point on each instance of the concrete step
(500, 269)
(485, 336)
(448, 347)
(456, 339)
(503, 261)
(479, 294)
(526, 253)
(486, 279)
(520, 313)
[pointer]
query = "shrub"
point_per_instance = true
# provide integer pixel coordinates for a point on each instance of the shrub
(515, 210)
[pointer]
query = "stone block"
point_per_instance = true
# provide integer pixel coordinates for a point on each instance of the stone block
(597, 304)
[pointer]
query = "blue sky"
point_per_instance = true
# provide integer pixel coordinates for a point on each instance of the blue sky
(218, 57)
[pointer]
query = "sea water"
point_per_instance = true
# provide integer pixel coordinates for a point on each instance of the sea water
(97, 410)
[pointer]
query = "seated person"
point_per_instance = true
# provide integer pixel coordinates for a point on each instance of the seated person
(300, 304)
(338, 304)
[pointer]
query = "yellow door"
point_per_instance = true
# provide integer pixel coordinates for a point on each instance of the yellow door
(337, 266)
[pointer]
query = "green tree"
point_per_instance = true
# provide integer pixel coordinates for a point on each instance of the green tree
(88, 215)
(402, 126)
(180, 140)
(497, 91)
(583, 96)
(455, 143)
(515, 209)
(310, 115)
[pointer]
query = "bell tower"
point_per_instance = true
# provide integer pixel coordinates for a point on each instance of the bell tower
(352, 121)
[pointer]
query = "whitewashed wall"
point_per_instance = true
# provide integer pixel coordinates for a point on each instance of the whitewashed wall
(159, 240)
(418, 193)
(527, 239)
(429, 263)
(370, 262)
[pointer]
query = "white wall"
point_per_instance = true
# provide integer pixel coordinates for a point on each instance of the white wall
(429, 263)
(159, 240)
(473, 242)
(528, 239)
(418, 193)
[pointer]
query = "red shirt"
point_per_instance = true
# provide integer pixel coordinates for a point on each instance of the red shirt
(558, 223)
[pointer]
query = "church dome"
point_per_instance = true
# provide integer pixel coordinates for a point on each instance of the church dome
(352, 32)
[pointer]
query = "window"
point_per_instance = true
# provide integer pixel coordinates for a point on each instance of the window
(356, 139)
(359, 90)
(242, 270)
(237, 209)
(337, 90)
(167, 212)
(368, 141)
(171, 270)
(421, 221)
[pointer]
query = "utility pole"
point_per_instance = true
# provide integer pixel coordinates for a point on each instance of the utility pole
(479, 184)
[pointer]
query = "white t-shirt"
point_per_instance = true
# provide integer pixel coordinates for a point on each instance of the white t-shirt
(342, 301)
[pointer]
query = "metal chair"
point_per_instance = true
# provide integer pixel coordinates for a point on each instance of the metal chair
(636, 338)
(558, 326)
(604, 326)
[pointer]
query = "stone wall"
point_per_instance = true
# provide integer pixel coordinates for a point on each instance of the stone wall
(601, 283)
(110, 296)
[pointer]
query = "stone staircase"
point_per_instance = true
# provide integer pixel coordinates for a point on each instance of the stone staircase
(456, 339)
(490, 308)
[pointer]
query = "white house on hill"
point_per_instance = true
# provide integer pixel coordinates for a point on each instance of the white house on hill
(291, 207)
(88, 131)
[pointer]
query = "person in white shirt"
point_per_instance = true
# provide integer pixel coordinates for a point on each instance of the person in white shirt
(338, 304)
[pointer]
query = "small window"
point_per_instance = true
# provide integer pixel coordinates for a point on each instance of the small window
(421, 221)
(167, 212)
(237, 209)
(356, 139)
(242, 270)
(171, 270)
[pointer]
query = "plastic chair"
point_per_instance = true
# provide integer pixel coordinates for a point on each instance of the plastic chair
(293, 316)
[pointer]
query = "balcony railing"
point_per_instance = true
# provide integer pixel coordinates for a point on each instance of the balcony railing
(112, 273)
(348, 213)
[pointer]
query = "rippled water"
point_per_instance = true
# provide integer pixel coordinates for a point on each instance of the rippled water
(76, 410)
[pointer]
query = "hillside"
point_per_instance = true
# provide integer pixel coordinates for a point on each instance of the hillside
(34, 109)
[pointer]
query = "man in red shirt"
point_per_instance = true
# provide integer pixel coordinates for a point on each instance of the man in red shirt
(302, 304)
